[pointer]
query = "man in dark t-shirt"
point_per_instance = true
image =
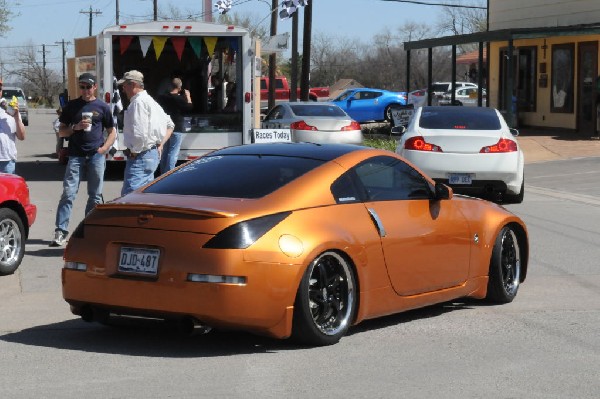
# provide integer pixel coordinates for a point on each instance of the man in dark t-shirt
(175, 103)
(83, 121)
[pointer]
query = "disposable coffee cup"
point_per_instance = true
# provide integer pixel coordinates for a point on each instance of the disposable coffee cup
(10, 110)
(87, 116)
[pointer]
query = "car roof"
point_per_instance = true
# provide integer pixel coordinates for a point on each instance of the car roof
(323, 152)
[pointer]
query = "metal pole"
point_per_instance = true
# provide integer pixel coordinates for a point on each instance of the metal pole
(294, 90)
(273, 57)
(117, 12)
(306, 51)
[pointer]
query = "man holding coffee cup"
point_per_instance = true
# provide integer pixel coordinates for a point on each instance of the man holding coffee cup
(11, 128)
(83, 121)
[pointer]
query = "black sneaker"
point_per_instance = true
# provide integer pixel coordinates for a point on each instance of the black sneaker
(60, 239)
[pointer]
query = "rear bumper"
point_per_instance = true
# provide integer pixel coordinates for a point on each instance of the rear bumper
(263, 305)
(504, 172)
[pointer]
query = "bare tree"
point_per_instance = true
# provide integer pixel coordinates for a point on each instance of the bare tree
(44, 82)
(6, 14)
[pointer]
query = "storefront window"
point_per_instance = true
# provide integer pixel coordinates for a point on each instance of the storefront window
(561, 96)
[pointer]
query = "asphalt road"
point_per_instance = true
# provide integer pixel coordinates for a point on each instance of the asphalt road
(543, 345)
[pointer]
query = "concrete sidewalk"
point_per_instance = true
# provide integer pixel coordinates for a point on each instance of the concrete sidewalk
(541, 145)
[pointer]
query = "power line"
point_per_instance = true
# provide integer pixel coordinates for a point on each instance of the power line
(438, 4)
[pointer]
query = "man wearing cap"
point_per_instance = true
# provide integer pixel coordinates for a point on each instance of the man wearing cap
(83, 121)
(146, 127)
(11, 128)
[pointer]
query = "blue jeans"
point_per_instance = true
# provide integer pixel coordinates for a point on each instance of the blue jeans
(7, 166)
(170, 153)
(92, 167)
(140, 170)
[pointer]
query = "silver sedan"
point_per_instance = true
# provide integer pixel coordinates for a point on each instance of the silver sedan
(315, 122)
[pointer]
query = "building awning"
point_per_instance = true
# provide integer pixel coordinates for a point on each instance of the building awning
(472, 57)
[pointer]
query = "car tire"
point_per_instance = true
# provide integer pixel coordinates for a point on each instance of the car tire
(326, 301)
(388, 112)
(12, 241)
(505, 267)
(515, 198)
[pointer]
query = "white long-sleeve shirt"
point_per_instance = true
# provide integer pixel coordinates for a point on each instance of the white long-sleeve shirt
(145, 123)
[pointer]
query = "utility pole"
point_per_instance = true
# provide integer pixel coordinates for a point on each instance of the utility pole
(156, 10)
(44, 77)
(117, 12)
(64, 56)
(305, 81)
(91, 13)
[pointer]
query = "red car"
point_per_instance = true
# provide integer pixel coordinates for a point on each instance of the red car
(17, 214)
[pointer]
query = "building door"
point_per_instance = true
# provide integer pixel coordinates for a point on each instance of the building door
(586, 87)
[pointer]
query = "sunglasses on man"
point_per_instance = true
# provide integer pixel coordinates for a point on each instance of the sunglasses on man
(85, 87)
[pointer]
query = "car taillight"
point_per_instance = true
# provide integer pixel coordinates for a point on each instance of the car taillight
(503, 145)
(301, 125)
(418, 143)
(352, 126)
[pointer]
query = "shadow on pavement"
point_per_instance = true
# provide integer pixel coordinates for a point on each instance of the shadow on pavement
(54, 171)
(157, 338)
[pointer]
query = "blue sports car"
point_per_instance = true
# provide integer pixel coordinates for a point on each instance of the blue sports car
(365, 105)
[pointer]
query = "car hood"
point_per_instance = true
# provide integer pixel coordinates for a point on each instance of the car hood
(462, 141)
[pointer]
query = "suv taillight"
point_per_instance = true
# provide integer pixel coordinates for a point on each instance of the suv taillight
(301, 125)
(503, 145)
(418, 143)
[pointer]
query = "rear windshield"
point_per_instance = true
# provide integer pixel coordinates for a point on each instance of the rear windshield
(234, 176)
(440, 87)
(470, 118)
(317, 110)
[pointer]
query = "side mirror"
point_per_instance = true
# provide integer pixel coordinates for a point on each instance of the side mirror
(400, 130)
(442, 191)
(514, 131)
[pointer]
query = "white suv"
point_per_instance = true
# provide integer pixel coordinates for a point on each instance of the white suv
(8, 92)
(440, 88)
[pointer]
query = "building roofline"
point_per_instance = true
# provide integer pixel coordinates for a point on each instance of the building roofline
(504, 35)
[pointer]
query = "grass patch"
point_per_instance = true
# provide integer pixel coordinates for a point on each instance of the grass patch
(379, 136)
(382, 143)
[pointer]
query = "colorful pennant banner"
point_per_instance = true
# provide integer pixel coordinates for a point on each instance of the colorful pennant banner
(178, 43)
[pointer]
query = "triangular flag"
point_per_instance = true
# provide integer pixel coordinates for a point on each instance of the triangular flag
(211, 43)
(145, 43)
(124, 42)
(159, 45)
(178, 45)
(196, 44)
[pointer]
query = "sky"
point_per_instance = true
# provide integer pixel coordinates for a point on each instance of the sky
(48, 22)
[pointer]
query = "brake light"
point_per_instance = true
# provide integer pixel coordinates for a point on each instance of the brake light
(352, 126)
(301, 125)
(418, 143)
(503, 145)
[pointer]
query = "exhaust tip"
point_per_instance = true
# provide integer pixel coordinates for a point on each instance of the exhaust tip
(191, 326)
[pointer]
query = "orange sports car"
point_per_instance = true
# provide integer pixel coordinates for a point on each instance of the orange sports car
(291, 240)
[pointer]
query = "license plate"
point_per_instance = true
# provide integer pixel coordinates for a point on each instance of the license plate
(460, 178)
(139, 260)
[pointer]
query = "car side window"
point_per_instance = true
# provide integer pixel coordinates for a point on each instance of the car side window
(276, 113)
(344, 190)
(386, 178)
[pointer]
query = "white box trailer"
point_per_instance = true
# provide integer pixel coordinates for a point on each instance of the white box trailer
(214, 61)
